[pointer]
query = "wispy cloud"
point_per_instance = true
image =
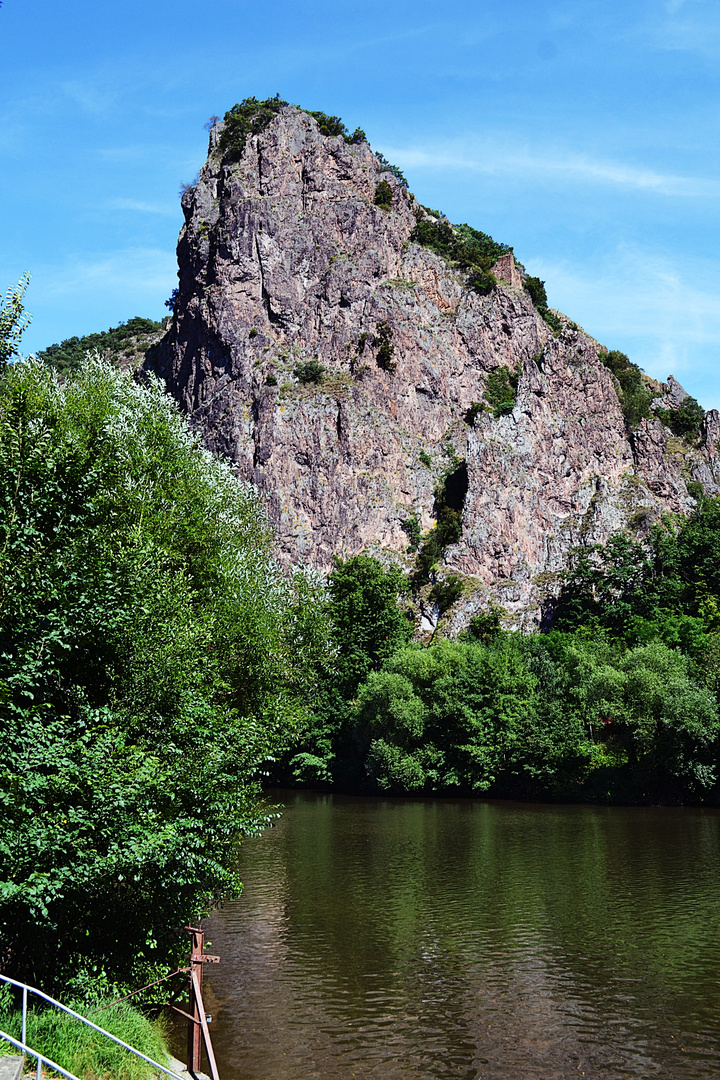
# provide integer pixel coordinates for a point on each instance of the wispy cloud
(556, 166)
(165, 209)
(690, 26)
(130, 271)
(665, 314)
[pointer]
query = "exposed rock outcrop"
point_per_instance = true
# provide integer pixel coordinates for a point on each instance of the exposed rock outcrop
(287, 266)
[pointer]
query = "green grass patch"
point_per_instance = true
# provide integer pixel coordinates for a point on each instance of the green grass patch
(85, 1052)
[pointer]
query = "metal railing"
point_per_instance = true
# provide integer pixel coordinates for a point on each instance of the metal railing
(21, 1044)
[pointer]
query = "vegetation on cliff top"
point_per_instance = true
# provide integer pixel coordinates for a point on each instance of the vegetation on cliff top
(133, 336)
(462, 246)
(251, 117)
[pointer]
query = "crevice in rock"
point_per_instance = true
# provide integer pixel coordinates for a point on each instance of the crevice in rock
(272, 316)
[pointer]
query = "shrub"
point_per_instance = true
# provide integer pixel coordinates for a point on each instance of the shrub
(271, 380)
(446, 592)
(484, 627)
(635, 398)
(538, 295)
(501, 390)
(14, 320)
(686, 421)
(311, 371)
(473, 412)
(383, 195)
(248, 117)
(411, 528)
(385, 348)
(463, 246)
(253, 332)
(695, 489)
(330, 126)
(425, 459)
(449, 504)
(385, 166)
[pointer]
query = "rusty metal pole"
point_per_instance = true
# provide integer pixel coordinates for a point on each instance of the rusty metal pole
(194, 1049)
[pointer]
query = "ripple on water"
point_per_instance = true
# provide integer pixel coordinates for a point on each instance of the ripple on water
(423, 939)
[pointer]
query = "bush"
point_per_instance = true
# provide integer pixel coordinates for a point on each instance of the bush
(411, 528)
(501, 390)
(385, 166)
(330, 126)
(538, 295)
(635, 398)
(383, 195)
(473, 412)
(686, 421)
(252, 117)
(14, 320)
(449, 504)
(150, 662)
(465, 247)
(311, 371)
(248, 117)
(446, 592)
(385, 348)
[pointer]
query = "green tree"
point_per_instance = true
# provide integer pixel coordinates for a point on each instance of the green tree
(14, 320)
(152, 658)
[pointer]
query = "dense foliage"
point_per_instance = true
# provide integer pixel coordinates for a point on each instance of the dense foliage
(310, 371)
(383, 195)
(152, 657)
(251, 117)
(635, 397)
(462, 246)
(538, 295)
(134, 335)
(618, 701)
(686, 420)
(366, 626)
(501, 389)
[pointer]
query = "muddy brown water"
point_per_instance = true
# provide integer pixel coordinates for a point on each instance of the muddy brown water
(402, 939)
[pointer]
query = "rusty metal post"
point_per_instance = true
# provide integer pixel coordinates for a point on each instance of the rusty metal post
(194, 1045)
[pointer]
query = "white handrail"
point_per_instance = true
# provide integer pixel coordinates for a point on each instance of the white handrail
(71, 1012)
(41, 1059)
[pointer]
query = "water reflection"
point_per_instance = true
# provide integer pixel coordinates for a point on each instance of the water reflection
(430, 938)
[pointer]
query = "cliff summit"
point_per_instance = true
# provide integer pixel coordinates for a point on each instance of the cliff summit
(398, 385)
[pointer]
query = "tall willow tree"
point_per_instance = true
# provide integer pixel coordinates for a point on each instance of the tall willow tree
(152, 657)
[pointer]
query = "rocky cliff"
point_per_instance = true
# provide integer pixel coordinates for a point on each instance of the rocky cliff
(344, 369)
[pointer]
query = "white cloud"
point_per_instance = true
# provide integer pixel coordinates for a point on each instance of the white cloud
(499, 160)
(129, 272)
(166, 209)
(666, 315)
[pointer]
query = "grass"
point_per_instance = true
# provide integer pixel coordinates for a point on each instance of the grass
(84, 1052)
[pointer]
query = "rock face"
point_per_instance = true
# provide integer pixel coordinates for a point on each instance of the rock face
(287, 266)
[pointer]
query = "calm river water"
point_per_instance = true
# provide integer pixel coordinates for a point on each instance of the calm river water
(457, 938)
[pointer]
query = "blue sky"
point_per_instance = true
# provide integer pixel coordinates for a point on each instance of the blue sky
(584, 133)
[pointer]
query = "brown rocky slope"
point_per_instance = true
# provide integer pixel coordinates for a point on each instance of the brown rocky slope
(285, 259)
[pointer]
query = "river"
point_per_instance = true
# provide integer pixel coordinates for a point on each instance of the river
(423, 938)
